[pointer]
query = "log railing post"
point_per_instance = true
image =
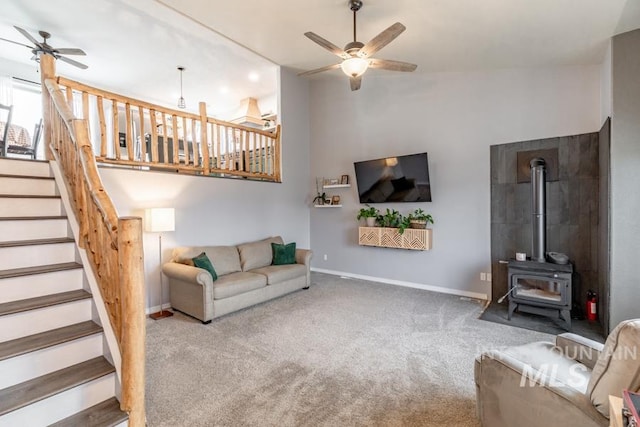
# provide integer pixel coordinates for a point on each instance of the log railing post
(277, 154)
(47, 71)
(204, 143)
(131, 267)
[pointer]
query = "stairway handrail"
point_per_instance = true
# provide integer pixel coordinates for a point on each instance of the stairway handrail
(98, 193)
(113, 244)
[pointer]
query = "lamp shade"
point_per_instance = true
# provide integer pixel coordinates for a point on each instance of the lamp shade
(159, 219)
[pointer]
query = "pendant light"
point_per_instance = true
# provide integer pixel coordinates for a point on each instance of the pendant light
(181, 102)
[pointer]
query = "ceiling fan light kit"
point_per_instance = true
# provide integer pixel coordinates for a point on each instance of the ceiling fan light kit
(356, 55)
(354, 67)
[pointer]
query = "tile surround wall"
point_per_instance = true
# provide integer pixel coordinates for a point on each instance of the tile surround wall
(572, 208)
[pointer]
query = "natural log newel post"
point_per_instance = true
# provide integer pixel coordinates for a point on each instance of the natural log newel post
(47, 71)
(130, 261)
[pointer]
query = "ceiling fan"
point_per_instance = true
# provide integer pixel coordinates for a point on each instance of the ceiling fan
(44, 47)
(356, 55)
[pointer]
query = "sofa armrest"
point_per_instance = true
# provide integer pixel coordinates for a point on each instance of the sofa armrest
(579, 348)
(190, 290)
(303, 256)
(510, 393)
(187, 273)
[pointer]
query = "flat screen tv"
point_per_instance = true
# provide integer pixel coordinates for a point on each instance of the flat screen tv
(394, 179)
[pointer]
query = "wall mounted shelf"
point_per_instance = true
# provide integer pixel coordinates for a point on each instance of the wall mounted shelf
(412, 238)
(337, 186)
(327, 206)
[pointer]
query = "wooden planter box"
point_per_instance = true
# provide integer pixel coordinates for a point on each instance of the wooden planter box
(416, 239)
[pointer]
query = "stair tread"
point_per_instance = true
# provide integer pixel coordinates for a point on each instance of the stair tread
(36, 242)
(29, 218)
(28, 344)
(27, 196)
(5, 175)
(39, 269)
(104, 414)
(43, 301)
(16, 159)
(28, 392)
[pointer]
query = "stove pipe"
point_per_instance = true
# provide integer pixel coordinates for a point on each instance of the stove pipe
(538, 199)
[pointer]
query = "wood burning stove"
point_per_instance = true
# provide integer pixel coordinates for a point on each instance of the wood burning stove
(538, 286)
(541, 288)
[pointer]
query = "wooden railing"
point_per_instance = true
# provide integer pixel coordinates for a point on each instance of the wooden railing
(113, 245)
(139, 134)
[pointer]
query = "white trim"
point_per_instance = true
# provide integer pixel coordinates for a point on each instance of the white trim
(439, 289)
(110, 336)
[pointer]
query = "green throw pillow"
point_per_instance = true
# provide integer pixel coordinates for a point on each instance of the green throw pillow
(283, 254)
(203, 261)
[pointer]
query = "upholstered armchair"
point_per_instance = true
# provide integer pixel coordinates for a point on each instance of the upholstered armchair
(563, 384)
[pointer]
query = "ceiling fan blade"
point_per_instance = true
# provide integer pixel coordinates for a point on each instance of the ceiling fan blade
(381, 40)
(319, 70)
(355, 82)
(327, 45)
(18, 43)
(387, 64)
(70, 51)
(72, 62)
(27, 35)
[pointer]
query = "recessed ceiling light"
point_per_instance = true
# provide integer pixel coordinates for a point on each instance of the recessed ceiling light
(253, 76)
(224, 90)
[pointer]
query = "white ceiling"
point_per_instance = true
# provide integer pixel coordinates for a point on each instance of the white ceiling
(134, 46)
(441, 35)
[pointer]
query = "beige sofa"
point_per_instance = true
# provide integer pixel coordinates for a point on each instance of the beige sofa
(567, 384)
(245, 277)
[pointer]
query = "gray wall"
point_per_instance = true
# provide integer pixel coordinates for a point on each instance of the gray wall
(455, 117)
(218, 211)
(572, 209)
(625, 178)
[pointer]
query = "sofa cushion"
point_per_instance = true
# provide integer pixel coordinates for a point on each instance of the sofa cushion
(203, 261)
(257, 254)
(618, 367)
(225, 259)
(280, 273)
(283, 254)
(237, 283)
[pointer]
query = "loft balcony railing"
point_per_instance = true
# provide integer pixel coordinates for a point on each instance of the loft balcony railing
(134, 133)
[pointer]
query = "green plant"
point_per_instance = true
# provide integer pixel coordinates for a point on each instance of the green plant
(420, 215)
(368, 212)
(404, 224)
(320, 198)
(394, 219)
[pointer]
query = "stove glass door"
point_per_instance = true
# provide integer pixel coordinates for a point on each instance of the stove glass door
(540, 289)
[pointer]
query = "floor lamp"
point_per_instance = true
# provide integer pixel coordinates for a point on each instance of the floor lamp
(157, 220)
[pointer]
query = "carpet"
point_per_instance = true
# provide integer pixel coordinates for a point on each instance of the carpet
(498, 313)
(343, 353)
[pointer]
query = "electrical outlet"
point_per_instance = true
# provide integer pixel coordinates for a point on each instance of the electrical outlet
(325, 257)
(483, 276)
(488, 277)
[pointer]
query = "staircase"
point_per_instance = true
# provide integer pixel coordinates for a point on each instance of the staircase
(53, 369)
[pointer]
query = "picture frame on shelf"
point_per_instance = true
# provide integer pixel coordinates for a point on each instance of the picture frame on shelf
(344, 179)
(335, 200)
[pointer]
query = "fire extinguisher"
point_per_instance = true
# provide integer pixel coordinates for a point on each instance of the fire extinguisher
(592, 303)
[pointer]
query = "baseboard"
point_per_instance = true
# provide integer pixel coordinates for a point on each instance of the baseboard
(458, 292)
